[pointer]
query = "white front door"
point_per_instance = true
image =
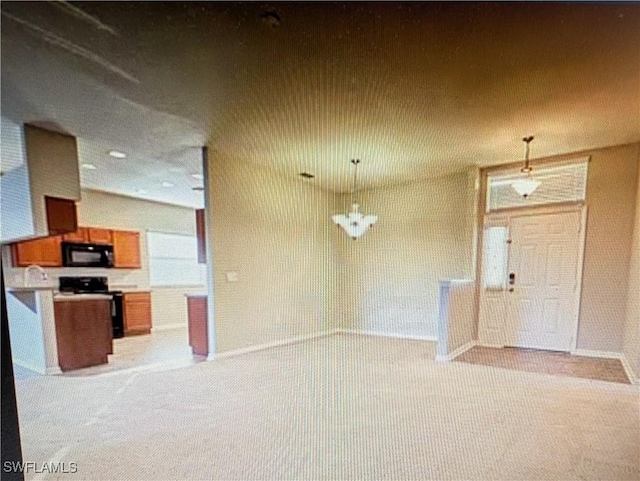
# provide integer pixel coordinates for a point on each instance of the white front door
(543, 280)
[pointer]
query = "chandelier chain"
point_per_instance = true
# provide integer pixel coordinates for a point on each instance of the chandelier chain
(355, 179)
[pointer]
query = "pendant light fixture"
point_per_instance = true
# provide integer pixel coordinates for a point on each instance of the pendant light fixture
(355, 224)
(526, 186)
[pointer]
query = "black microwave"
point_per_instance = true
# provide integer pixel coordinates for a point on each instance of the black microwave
(86, 255)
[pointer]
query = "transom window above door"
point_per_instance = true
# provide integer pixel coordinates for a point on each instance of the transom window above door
(559, 183)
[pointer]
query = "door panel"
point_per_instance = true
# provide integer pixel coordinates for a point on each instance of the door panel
(544, 256)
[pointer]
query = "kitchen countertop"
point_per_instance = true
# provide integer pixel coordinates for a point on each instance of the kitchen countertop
(196, 295)
(31, 288)
(81, 297)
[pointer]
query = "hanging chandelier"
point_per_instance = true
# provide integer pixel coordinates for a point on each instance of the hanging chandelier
(526, 186)
(355, 224)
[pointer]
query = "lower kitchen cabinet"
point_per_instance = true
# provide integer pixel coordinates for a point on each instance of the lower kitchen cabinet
(197, 319)
(137, 313)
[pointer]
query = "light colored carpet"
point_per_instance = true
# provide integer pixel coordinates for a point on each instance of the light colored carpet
(340, 407)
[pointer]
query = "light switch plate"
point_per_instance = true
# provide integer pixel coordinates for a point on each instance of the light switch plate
(232, 276)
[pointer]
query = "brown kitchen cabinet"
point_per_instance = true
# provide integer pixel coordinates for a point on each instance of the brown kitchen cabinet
(137, 313)
(201, 236)
(45, 252)
(81, 236)
(100, 236)
(61, 215)
(197, 320)
(83, 332)
(126, 249)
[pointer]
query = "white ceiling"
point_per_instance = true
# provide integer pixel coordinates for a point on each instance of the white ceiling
(414, 90)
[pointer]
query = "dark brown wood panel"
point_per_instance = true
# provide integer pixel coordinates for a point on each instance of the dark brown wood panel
(201, 236)
(61, 215)
(45, 252)
(197, 318)
(83, 333)
(137, 313)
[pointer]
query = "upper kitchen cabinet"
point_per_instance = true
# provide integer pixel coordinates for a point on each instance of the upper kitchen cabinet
(201, 236)
(81, 235)
(61, 215)
(100, 236)
(40, 182)
(126, 249)
(45, 252)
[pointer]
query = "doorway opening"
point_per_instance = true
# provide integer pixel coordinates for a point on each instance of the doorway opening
(531, 260)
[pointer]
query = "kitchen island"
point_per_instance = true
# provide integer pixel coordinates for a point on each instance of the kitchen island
(84, 335)
(43, 325)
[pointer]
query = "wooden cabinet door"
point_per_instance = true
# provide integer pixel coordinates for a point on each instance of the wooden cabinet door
(44, 252)
(197, 319)
(126, 249)
(100, 236)
(81, 235)
(137, 313)
(61, 215)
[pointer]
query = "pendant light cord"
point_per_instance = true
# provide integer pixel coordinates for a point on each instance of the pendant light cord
(527, 141)
(355, 178)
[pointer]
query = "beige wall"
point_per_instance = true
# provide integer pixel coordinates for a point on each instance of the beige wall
(118, 212)
(299, 274)
(631, 346)
(273, 232)
(425, 234)
(611, 199)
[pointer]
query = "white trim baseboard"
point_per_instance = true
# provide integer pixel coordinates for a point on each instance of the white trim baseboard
(53, 371)
(600, 354)
(389, 334)
(30, 367)
(452, 355)
(261, 347)
(168, 327)
(633, 378)
(488, 344)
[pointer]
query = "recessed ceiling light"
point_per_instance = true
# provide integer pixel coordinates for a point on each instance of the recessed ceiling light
(89, 166)
(117, 154)
(168, 184)
(197, 176)
(141, 192)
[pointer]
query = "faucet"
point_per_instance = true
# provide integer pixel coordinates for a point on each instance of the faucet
(43, 273)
